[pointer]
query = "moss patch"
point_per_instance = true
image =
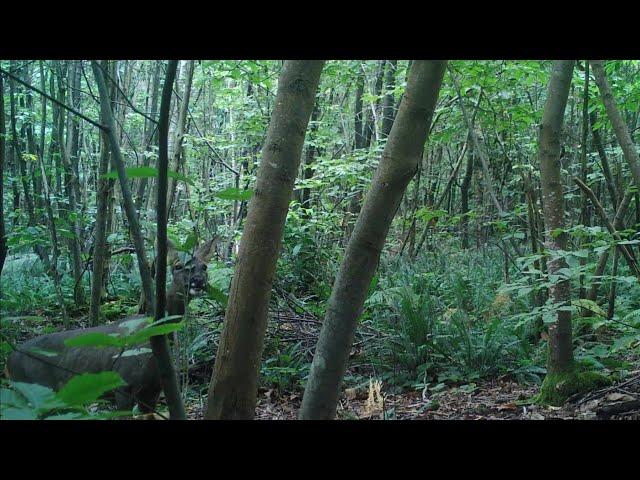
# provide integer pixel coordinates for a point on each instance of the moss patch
(557, 387)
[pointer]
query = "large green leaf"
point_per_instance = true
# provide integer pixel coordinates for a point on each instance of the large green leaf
(146, 172)
(88, 387)
(217, 295)
(37, 396)
(233, 193)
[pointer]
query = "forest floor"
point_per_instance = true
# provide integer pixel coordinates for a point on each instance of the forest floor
(490, 400)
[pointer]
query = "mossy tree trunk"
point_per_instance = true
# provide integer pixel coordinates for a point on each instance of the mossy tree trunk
(560, 359)
(234, 384)
(398, 165)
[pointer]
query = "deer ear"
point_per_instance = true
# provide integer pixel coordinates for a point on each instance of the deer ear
(206, 250)
(172, 254)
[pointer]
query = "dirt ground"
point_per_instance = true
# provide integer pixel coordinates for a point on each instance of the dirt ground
(491, 400)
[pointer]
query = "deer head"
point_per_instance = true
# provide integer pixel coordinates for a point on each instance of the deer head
(189, 277)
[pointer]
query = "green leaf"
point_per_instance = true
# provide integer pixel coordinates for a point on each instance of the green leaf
(153, 331)
(589, 305)
(37, 396)
(13, 413)
(233, 193)
(189, 243)
(217, 295)
(10, 398)
(133, 352)
(88, 387)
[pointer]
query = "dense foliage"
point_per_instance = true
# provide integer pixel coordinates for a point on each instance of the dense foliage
(460, 295)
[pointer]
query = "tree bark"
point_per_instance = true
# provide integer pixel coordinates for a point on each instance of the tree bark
(158, 344)
(560, 358)
(232, 393)
(179, 133)
(619, 126)
(397, 166)
(149, 135)
(387, 102)
(100, 240)
(3, 240)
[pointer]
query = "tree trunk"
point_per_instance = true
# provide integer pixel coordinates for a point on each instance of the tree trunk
(100, 242)
(397, 166)
(3, 240)
(159, 344)
(232, 393)
(305, 198)
(179, 133)
(619, 127)
(387, 103)
(357, 122)
(560, 342)
(149, 136)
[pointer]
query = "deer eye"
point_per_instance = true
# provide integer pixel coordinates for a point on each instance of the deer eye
(177, 267)
(204, 267)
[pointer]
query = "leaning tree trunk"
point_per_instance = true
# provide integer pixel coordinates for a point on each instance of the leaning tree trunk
(234, 384)
(560, 358)
(398, 165)
(619, 127)
(159, 344)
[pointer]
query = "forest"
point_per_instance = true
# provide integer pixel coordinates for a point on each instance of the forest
(318, 240)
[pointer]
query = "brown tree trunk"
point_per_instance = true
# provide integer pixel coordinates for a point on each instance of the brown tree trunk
(397, 166)
(3, 240)
(234, 384)
(560, 341)
(159, 344)
(619, 126)
(149, 135)
(387, 102)
(179, 133)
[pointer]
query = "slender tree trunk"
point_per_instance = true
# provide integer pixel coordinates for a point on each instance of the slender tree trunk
(100, 242)
(179, 133)
(159, 344)
(584, 204)
(3, 240)
(357, 122)
(560, 342)
(623, 248)
(21, 171)
(619, 127)
(149, 135)
(71, 182)
(464, 201)
(305, 199)
(604, 161)
(387, 102)
(397, 166)
(369, 124)
(234, 384)
(54, 247)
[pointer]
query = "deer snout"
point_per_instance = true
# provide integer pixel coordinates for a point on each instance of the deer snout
(197, 285)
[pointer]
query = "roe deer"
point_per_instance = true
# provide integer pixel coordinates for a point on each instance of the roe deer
(140, 372)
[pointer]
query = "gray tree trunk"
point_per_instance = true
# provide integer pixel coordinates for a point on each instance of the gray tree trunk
(560, 358)
(234, 384)
(398, 165)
